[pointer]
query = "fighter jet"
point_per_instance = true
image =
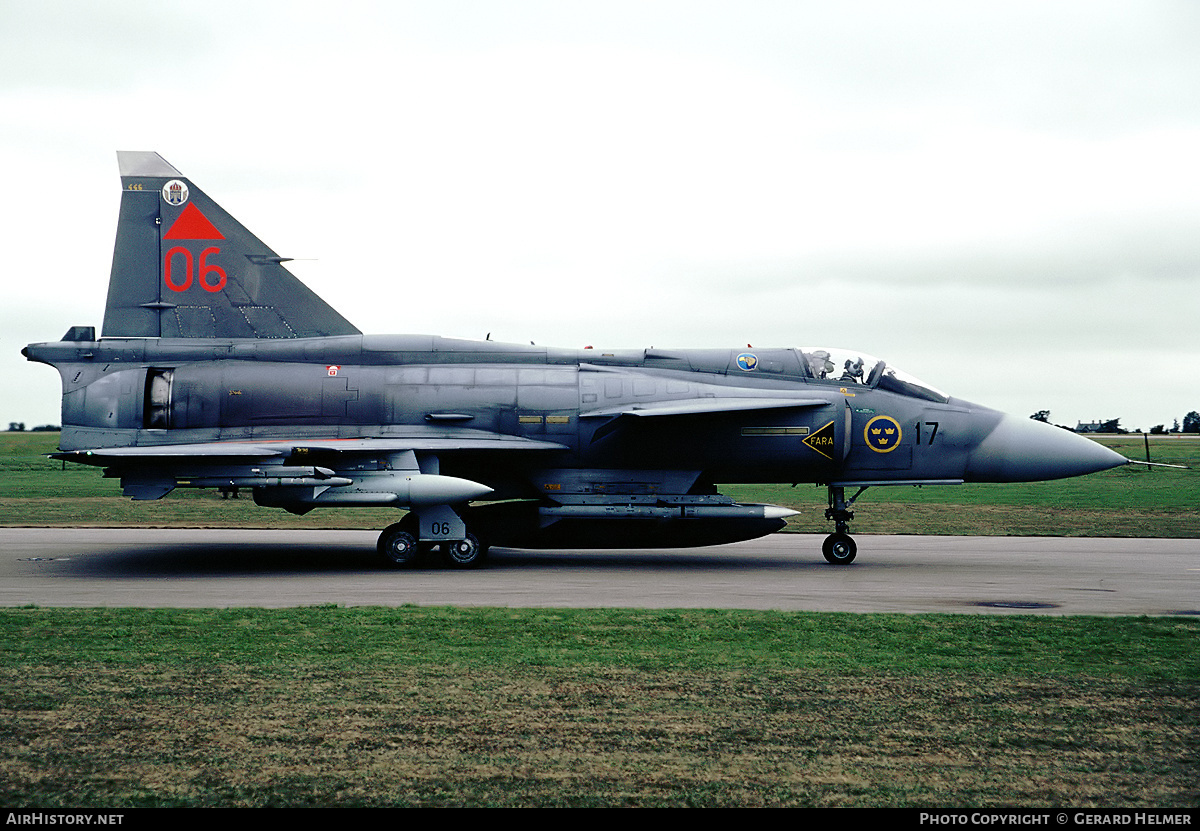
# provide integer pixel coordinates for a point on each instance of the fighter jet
(217, 368)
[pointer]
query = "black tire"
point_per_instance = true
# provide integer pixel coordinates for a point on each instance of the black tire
(397, 546)
(839, 549)
(468, 553)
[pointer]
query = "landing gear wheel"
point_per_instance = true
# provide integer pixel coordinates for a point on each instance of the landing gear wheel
(397, 546)
(839, 549)
(468, 553)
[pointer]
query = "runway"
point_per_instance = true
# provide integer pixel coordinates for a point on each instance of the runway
(192, 568)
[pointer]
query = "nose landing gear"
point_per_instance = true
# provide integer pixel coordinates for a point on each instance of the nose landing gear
(839, 547)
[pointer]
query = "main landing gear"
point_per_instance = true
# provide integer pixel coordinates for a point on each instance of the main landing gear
(839, 547)
(400, 547)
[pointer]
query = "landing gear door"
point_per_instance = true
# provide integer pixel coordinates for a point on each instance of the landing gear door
(439, 523)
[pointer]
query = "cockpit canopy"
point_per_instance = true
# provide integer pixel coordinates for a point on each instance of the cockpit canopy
(847, 367)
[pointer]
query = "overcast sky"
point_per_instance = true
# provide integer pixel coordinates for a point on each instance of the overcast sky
(1000, 198)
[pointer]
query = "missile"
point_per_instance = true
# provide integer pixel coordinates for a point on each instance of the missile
(435, 489)
(402, 489)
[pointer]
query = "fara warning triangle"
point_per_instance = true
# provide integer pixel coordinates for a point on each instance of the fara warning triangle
(193, 225)
(822, 441)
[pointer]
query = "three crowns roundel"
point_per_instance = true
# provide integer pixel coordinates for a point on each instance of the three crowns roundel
(882, 434)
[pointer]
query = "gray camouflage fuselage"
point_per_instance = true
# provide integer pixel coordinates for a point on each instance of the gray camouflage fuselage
(602, 447)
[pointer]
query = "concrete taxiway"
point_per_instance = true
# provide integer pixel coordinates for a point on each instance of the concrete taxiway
(227, 568)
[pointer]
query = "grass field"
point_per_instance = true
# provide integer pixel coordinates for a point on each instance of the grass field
(507, 707)
(1132, 501)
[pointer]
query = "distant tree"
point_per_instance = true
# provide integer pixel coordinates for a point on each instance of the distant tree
(16, 426)
(1041, 415)
(46, 428)
(1175, 429)
(1113, 425)
(1191, 422)
(1158, 430)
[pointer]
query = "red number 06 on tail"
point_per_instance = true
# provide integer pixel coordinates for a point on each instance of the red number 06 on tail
(211, 277)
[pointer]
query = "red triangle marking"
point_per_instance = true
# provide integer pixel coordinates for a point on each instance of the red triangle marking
(193, 225)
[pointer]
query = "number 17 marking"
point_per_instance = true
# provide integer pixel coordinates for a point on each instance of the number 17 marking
(932, 434)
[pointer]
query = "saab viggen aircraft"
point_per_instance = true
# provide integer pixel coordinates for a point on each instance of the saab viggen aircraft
(217, 368)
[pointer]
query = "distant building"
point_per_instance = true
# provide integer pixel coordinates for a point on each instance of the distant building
(1090, 427)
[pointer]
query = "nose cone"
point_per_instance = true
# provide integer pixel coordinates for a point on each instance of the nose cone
(1024, 450)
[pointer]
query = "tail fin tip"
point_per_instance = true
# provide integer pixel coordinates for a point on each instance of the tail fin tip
(144, 163)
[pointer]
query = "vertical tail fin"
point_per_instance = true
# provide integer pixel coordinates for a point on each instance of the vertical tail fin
(184, 268)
